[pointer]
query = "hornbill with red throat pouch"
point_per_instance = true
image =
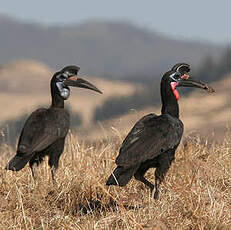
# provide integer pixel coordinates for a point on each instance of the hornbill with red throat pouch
(153, 140)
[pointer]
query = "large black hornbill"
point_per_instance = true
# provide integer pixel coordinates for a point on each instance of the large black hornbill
(153, 140)
(45, 130)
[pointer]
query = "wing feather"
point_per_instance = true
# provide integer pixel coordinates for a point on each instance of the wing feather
(41, 130)
(150, 136)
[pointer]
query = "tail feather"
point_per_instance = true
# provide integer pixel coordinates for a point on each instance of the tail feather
(17, 163)
(121, 176)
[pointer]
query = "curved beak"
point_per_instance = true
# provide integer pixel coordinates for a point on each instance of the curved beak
(192, 82)
(79, 82)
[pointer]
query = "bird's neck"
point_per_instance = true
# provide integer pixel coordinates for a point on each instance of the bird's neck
(56, 100)
(169, 102)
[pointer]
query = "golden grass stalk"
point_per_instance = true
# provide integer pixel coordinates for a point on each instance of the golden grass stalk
(196, 193)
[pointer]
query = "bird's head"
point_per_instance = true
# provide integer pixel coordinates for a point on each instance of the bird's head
(179, 76)
(68, 76)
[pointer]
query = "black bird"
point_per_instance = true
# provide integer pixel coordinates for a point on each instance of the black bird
(45, 130)
(153, 140)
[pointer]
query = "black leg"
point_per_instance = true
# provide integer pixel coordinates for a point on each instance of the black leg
(34, 163)
(158, 180)
(55, 152)
(165, 161)
(53, 171)
(33, 171)
(54, 165)
(140, 177)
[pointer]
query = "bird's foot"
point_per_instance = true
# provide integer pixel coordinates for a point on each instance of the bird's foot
(34, 174)
(156, 195)
(53, 170)
(55, 182)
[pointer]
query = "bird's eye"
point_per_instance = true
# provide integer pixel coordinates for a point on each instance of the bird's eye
(62, 77)
(177, 76)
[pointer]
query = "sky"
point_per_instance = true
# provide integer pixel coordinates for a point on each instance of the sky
(205, 20)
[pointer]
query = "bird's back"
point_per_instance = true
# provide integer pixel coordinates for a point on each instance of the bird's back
(42, 128)
(150, 136)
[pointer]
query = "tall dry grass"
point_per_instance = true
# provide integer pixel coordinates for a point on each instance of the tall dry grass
(196, 193)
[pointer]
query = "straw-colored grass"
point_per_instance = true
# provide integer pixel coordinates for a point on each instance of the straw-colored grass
(196, 193)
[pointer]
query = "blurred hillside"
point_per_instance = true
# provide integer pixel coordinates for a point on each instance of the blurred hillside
(208, 115)
(25, 85)
(110, 49)
(210, 70)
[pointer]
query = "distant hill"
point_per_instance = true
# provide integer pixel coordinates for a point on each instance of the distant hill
(112, 49)
(25, 85)
(208, 115)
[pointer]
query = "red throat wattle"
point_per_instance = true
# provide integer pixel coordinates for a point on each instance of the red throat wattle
(174, 90)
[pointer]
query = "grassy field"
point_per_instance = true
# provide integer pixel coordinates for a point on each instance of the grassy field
(195, 195)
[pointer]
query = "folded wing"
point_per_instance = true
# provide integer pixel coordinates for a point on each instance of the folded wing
(150, 136)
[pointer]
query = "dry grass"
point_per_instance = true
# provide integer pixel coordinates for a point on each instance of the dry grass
(195, 195)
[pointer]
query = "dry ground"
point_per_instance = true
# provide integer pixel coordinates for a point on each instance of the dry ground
(195, 195)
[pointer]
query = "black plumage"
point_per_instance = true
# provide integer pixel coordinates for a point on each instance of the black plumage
(45, 130)
(153, 140)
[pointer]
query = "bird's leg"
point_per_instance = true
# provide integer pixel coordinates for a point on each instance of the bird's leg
(53, 173)
(140, 177)
(158, 181)
(164, 162)
(160, 175)
(33, 171)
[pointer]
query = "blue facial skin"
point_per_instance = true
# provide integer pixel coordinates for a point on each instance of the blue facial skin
(63, 90)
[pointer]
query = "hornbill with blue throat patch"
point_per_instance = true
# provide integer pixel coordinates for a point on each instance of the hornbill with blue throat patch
(45, 130)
